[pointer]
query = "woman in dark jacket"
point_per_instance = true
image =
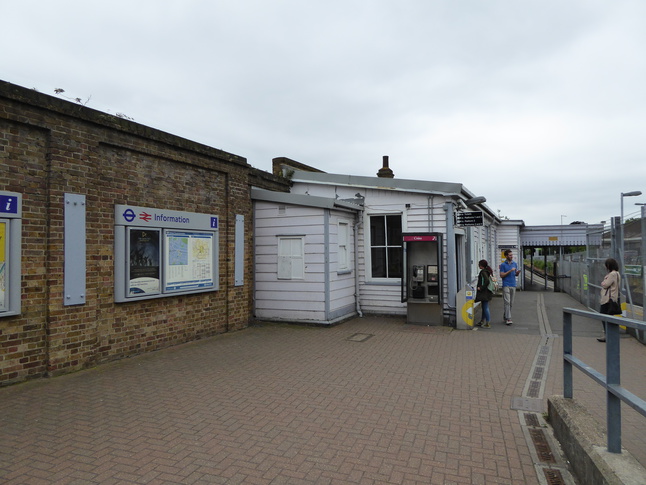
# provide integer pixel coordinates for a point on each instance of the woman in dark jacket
(483, 294)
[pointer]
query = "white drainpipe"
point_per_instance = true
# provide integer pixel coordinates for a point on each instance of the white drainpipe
(357, 297)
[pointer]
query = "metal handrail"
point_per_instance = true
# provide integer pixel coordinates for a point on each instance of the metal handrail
(612, 380)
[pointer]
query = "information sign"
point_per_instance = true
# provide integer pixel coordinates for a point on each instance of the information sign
(409, 238)
(474, 218)
(9, 204)
(161, 253)
(633, 269)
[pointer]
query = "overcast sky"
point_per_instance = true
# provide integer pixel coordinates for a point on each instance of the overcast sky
(540, 106)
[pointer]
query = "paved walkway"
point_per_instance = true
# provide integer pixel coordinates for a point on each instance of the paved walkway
(370, 401)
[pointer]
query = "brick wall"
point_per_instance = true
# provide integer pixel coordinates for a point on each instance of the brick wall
(49, 147)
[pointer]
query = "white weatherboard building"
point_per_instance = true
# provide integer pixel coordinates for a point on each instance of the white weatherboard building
(333, 247)
(305, 257)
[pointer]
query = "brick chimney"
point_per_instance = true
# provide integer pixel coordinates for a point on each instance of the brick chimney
(384, 171)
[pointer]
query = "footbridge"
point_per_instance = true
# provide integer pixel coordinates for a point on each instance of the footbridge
(554, 239)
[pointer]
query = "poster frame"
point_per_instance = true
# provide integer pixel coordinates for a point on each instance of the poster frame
(5, 265)
(131, 230)
(146, 218)
(11, 217)
(176, 286)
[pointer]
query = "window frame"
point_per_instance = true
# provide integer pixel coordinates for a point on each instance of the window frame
(291, 258)
(343, 247)
(386, 246)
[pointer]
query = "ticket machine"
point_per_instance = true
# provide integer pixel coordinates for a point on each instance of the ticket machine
(422, 278)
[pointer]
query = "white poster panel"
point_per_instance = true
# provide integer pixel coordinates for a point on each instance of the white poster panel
(188, 260)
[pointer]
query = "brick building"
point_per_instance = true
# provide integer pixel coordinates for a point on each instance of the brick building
(53, 152)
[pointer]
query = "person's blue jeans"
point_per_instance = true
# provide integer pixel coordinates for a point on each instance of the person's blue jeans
(486, 314)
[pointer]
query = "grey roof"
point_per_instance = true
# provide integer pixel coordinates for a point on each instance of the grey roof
(448, 189)
(443, 188)
(305, 200)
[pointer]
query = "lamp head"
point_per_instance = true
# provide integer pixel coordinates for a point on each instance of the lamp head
(634, 193)
(475, 200)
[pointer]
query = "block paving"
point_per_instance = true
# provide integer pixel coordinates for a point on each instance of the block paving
(370, 401)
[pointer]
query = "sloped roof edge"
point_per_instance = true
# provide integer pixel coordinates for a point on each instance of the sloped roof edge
(443, 188)
(448, 189)
(304, 200)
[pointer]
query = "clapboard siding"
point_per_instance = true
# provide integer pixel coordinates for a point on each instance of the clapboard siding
(342, 285)
(286, 286)
(382, 299)
(304, 299)
(342, 291)
(310, 305)
(294, 299)
(508, 236)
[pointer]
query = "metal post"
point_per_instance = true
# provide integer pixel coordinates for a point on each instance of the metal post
(451, 270)
(567, 350)
(469, 260)
(643, 257)
(614, 229)
(545, 268)
(613, 378)
(621, 238)
(586, 278)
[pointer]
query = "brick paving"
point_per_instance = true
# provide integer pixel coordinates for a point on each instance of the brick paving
(370, 401)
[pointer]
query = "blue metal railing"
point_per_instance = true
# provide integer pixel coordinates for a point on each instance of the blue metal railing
(612, 380)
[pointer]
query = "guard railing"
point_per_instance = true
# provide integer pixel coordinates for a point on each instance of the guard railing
(612, 380)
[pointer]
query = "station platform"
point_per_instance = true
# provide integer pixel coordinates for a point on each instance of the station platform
(370, 401)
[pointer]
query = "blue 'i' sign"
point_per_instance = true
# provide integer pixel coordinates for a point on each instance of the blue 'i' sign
(8, 204)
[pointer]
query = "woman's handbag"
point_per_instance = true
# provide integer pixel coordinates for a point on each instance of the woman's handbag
(614, 307)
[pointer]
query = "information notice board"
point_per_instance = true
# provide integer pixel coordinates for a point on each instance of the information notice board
(159, 253)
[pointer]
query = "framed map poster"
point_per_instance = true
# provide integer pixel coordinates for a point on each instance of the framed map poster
(188, 260)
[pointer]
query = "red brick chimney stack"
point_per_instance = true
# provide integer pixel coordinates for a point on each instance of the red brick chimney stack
(384, 171)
